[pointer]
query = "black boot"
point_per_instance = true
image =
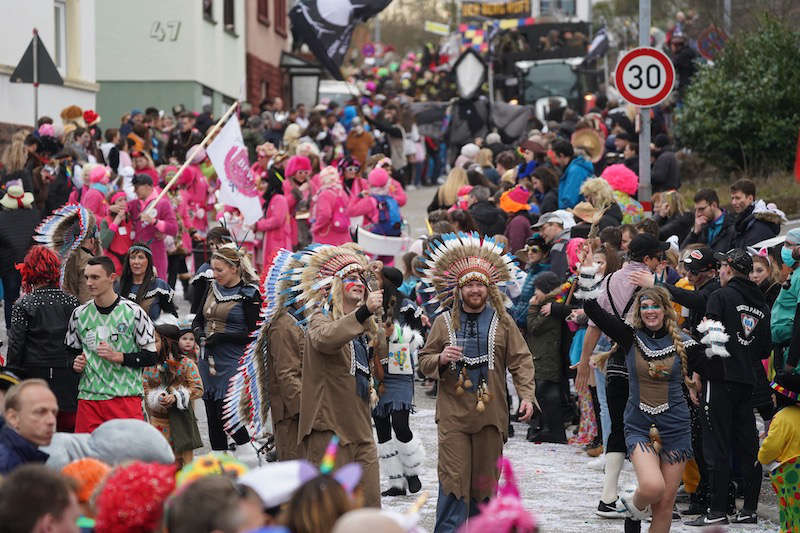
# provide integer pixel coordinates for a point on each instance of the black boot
(394, 491)
(414, 484)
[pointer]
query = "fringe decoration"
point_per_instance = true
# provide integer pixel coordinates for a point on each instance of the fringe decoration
(714, 338)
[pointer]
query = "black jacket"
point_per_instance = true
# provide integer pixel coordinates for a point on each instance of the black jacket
(695, 301)
(720, 243)
(549, 202)
(666, 174)
(16, 235)
(749, 230)
(38, 327)
(743, 311)
(677, 224)
(490, 219)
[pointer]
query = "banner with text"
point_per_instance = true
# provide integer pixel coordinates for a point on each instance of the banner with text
(495, 9)
(237, 188)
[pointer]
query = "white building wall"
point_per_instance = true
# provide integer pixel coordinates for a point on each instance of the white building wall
(16, 26)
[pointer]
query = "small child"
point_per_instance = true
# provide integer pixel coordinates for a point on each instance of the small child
(410, 279)
(170, 387)
(187, 345)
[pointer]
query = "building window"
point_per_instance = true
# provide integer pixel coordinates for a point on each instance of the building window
(557, 7)
(60, 36)
(208, 11)
(264, 89)
(207, 98)
(228, 16)
(280, 17)
(263, 12)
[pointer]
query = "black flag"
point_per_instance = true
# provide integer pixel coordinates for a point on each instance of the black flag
(326, 26)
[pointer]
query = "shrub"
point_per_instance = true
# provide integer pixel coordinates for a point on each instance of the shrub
(743, 112)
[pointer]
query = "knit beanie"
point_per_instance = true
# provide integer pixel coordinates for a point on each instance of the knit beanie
(547, 282)
(378, 178)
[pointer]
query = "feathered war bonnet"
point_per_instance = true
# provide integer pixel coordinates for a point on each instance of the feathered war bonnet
(317, 282)
(247, 400)
(460, 258)
(65, 230)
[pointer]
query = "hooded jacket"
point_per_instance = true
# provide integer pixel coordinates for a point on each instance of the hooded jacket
(749, 229)
(743, 311)
(666, 175)
(569, 186)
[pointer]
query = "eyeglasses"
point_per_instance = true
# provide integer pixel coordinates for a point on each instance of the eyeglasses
(352, 169)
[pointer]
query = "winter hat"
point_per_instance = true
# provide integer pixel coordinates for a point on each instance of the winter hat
(99, 174)
(198, 154)
(470, 151)
(47, 130)
(515, 200)
(297, 163)
(493, 138)
(621, 178)
(89, 473)
(133, 498)
(16, 198)
(91, 117)
(329, 177)
(546, 281)
(378, 178)
(793, 236)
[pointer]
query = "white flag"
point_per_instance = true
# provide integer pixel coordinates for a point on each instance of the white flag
(237, 186)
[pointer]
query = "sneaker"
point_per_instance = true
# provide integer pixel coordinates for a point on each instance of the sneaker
(633, 511)
(614, 509)
(708, 520)
(744, 517)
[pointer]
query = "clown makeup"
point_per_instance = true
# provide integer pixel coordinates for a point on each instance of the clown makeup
(652, 314)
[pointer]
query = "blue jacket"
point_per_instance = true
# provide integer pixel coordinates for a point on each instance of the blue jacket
(15, 451)
(569, 186)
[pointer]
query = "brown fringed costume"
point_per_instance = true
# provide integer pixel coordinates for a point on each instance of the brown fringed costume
(286, 340)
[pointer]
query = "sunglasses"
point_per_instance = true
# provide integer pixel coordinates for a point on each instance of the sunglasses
(352, 169)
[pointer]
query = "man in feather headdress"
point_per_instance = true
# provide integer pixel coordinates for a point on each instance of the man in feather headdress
(469, 348)
(341, 340)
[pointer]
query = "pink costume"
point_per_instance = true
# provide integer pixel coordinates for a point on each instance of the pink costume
(275, 227)
(293, 195)
(194, 199)
(330, 223)
(164, 224)
(94, 196)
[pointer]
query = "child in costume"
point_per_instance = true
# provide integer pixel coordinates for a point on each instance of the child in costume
(170, 388)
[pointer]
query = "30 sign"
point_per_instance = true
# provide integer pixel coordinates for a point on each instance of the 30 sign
(645, 76)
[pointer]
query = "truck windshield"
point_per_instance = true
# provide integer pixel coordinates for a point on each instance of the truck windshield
(550, 79)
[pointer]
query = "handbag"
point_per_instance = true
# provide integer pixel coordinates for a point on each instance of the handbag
(183, 429)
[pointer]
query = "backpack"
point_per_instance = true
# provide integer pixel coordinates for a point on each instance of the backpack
(389, 218)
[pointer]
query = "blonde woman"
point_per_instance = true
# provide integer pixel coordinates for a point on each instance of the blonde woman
(485, 160)
(672, 216)
(230, 313)
(599, 193)
(14, 160)
(447, 194)
(658, 436)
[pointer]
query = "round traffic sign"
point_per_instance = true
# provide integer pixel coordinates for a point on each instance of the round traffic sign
(645, 76)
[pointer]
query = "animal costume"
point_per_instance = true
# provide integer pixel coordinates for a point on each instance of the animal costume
(337, 390)
(471, 407)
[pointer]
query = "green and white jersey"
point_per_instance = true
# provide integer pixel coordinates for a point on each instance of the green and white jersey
(126, 328)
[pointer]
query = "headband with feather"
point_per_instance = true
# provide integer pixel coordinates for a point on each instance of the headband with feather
(460, 258)
(247, 399)
(65, 230)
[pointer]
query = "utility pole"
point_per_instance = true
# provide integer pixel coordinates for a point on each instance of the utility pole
(645, 189)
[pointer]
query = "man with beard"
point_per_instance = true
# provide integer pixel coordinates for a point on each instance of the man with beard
(468, 351)
(342, 339)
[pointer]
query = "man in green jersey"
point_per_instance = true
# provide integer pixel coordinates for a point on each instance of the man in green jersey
(112, 339)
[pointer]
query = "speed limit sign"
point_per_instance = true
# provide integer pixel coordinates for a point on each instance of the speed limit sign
(645, 76)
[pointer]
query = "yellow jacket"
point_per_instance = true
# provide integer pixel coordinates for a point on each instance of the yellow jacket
(783, 440)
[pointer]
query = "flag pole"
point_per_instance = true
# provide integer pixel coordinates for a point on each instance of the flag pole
(150, 210)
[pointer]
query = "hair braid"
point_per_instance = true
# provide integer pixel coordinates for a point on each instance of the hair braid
(672, 327)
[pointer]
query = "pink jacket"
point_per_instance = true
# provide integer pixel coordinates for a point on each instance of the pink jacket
(95, 201)
(164, 224)
(397, 192)
(366, 207)
(330, 222)
(276, 227)
(194, 199)
(290, 191)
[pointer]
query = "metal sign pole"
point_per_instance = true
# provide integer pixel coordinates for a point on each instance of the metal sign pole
(645, 189)
(35, 76)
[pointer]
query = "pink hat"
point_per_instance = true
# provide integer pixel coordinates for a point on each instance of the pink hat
(378, 178)
(464, 190)
(117, 195)
(99, 174)
(47, 130)
(296, 163)
(621, 178)
(520, 194)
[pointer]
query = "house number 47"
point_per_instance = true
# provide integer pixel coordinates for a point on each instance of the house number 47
(165, 30)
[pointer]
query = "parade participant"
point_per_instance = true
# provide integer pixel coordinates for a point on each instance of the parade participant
(468, 350)
(94, 198)
(112, 340)
(115, 231)
(736, 332)
(170, 388)
(30, 422)
(38, 325)
(400, 458)
(71, 232)
(152, 227)
(659, 357)
(216, 237)
(394, 187)
(330, 223)
(350, 171)
(228, 315)
(276, 223)
(194, 202)
(139, 283)
(271, 384)
(385, 217)
(296, 190)
(337, 389)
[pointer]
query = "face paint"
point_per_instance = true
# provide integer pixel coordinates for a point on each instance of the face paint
(352, 282)
(650, 307)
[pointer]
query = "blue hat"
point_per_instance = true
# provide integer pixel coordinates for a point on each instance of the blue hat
(135, 112)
